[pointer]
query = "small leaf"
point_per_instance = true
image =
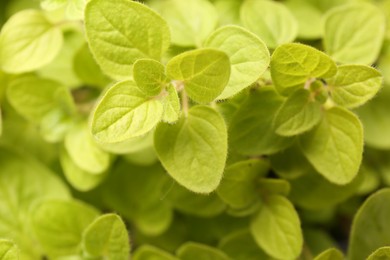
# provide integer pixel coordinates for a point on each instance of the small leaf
(40, 42)
(330, 254)
(274, 186)
(335, 146)
(196, 251)
(107, 237)
(293, 64)
(194, 150)
(277, 229)
(382, 253)
(298, 114)
(114, 35)
(125, 112)
(8, 250)
(171, 104)
(204, 73)
(354, 85)
(249, 56)
(147, 252)
(354, 33)
(275, 26)
(149, 76)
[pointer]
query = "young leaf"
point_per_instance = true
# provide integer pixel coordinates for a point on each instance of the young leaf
(28, 41)
(8, 250)
(204, 73)
(277, 229)
(127, 29)
(335, 146)
(147, 252)
(382, 253)
(194, 150)
(293, 64)
(171, 104)
(59, 225)
(354, 85)
(298, 114)
(354, 33)
(251, 131)
(330, 254)
(274, 186)
(107, 237)
(125, 112)
(190, 21)
(149, 76)
(275, 26)
(370, 226)
(195, 251)
(249, 56)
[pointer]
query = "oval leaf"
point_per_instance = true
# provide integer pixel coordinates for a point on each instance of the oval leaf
(149, 76)
(195, 251)
(147, 252)
(330, 254)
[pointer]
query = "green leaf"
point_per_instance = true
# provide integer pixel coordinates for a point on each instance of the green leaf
(354, 33)
(370, 228)
(228, 11)
(335, 146)
(147, 252)
(195, 251)
(294, 64)
(35, 98)
(171, 104)
(126, 28)
(125, 112)
(277, 229)
(8, 250)
(354, 85)
(130, 146)
(382, 253)
(59, 225)
(274, 186)
(194, 150)
(149, 76)
(299, 113)
(55, 124)
(249, 56)
(251, 130)
(318, 240)
(275, 26)
(40, 43)
(107, 237)
(330, 254)
(238, 187)
(204, 73)
(84, 151)
(190, 21)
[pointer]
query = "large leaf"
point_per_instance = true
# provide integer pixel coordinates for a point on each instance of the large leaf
(204, 73)
(126, 28)
(249, 56)
(194, 150)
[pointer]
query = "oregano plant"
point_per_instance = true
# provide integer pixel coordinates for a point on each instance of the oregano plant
(196, 129)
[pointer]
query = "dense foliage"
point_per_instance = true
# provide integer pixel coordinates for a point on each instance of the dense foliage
(195, 129)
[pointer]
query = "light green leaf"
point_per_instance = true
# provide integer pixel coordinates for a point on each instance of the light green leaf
(116, 27)
(294, 64)
(298, 114)
(354, 33)
(275, 26)
(335, 146)
(50, 5)
(370, 226)
(238, 187)
(354, 85)
(171, 104)
(35, 98)
(132, 145)
(84, 151)
(147, 252)
(249, 56)
(55, 124)
(8, 250)
(330, 254)
(251, 130)
(274, 186)
(79, 179)
(125, 112)
(59, 225)
(204, 73)
(40, 43)
(190, 21)
(382, 253)
(196, 251)
(107, 237)
(228, 11)
(194, 150)
(277, 229)
(149, 76)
